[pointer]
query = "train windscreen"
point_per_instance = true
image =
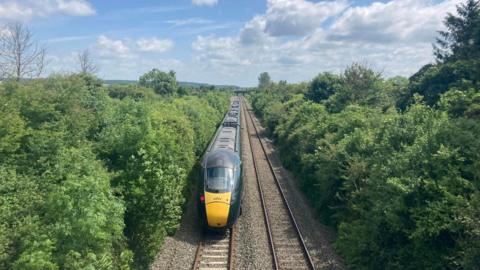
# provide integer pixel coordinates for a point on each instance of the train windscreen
(219, 179)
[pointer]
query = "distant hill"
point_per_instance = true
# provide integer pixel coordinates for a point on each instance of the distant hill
(188, 84)
(120, 82)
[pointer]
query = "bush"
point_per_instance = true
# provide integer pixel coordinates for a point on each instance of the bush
(400, 188)
(88, 181)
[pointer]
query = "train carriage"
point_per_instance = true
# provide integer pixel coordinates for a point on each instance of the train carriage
(221, 187)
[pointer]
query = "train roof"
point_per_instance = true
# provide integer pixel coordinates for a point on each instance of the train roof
(226, 139)
(228, 134)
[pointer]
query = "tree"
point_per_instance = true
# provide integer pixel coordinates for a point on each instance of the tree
(20, 55)
(359, 85)
(264, 80)
(361, 78)
(432, 81)
(86, 63)
(323, 86)
(462, 39)
(161, 82)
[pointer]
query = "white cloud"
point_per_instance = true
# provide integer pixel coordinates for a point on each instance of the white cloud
(394, 37)
(190, 21)
(289, 18)
(12, 10)
(68, 39)
(154, 44)
(216, 48)
(299, 17)
(227, 56)
(111, 48)
(394, 21)
(106, 47)
(25, 10)
(75, 7)
(253, 33)
(293, 40)
(204, 2)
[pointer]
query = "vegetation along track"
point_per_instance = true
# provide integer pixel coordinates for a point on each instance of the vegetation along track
(286, 242)
(216, 251)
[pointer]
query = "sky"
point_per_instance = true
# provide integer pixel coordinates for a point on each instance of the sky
(232, 41)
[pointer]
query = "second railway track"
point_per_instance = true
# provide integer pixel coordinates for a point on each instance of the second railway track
(286, 242)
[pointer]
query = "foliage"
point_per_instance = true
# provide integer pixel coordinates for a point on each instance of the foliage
(93, 177)
(358, 84)
(400, 187)
(264, 80)
(458, 58)
(462, 40)
(132, 91)
(161, 82)
(434, 80)
(323, 86)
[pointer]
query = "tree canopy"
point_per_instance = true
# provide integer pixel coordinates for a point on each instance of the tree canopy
(264, 80)
(390, 163)
(93, 176)
(461, 40)
(162, 83)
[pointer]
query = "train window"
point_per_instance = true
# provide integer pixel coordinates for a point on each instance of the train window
(238, 174)
(219, 179)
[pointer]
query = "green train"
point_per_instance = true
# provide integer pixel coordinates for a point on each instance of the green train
(221, 188)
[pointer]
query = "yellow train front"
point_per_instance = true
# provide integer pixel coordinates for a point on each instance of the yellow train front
(221, 188)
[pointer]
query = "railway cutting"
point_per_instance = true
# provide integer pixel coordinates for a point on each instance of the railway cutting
(286, 242)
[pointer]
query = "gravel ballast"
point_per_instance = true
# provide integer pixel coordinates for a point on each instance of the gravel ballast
(318, 237)
(178, 251)
(253, 251)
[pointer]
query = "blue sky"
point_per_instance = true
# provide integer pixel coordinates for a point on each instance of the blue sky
(232, 41)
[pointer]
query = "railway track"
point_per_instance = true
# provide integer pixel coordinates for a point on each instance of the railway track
(216, 251)
(286, 242)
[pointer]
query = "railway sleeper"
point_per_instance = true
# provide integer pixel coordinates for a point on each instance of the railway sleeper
(289, 252)
(215, 252)
(213, 264)
(285, 237)
(293, 263)
(285, 245)
(296, 267)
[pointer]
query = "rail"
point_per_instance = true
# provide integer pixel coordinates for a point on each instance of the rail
(284, 199)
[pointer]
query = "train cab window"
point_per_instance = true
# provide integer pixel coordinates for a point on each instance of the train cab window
(219, 179)
(238, 175)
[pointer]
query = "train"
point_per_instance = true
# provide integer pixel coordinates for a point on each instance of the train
(221, 185)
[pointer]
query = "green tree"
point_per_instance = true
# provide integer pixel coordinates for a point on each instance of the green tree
(359, 85)
(94, 177)
(264, 80)
(462, 39)
(132, 91)
(401, 188)
(434, 80)
(86, 218)
(323, 86)
(161, 82)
